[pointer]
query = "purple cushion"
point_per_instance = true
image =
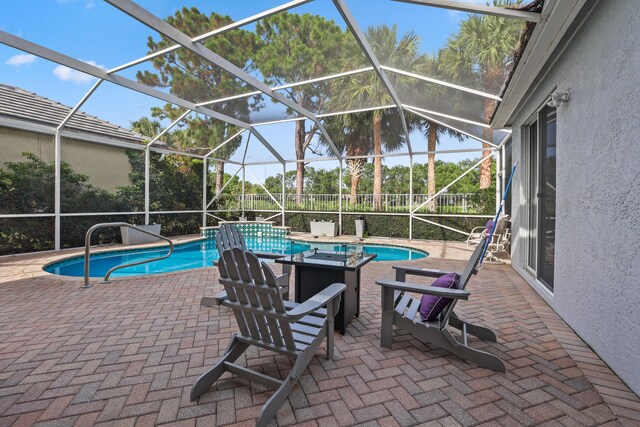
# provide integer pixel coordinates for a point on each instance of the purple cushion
(488, 228)
(430, 305)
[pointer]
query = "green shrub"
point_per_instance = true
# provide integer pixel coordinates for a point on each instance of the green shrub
(27, 187)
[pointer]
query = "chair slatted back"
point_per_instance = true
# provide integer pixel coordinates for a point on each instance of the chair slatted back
(229, 237)
(255, 299)
(470, 269)
(501, 226)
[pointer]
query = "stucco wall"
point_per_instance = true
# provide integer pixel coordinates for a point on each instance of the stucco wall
(597, 270)
(107, 167)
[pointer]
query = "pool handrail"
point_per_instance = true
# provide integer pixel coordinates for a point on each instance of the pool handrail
(87, 249)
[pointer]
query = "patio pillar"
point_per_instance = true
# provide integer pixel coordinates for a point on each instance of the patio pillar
(56, 186)
(147, 158)
(340, 199)
(243, 190)
(410, 197)
(284, 173)
(205, 175)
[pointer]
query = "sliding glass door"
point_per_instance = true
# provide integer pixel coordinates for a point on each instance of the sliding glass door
(541, 153)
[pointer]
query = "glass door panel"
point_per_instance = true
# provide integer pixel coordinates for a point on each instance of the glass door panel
(532, 248)
(547, 197)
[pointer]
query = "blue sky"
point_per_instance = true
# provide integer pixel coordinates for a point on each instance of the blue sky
(94, 31)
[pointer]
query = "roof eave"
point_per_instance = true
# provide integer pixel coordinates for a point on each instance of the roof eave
(557, 18)
(47, 129)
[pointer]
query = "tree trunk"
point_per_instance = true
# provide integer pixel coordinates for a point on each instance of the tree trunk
(492, 83)
(355, 167)
(356, 175)
(219, 175)
(432, 139)
(355, 181)
(487, 135)
(299, 142)
(377, 161)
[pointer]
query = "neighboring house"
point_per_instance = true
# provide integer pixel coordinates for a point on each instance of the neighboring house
(28, 123)
(576, 193)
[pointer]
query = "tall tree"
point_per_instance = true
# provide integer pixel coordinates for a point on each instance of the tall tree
(195, 79)
(482, 50)
(354, 136)
(366, 89)
(296, 48)
(433, 132)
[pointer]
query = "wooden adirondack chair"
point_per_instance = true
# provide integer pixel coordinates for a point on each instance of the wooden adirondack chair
(229, 237)
(266, 321)
(399, 308)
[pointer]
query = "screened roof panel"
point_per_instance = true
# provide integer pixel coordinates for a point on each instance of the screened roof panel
(200, 134)
(281, 136)
(185, 74)
(306, 42)
(466, 129)
(443, 101)
(202, 82)
(248, 7)
(258, 153)
(394, 139)
(469, 50)
(346, 93)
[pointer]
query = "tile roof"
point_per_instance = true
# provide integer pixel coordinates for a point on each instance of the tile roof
(24, 105)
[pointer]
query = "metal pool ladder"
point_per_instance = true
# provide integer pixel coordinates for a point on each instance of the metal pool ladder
(87, 242)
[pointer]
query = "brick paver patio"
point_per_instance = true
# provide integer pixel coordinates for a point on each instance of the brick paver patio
(127, 353)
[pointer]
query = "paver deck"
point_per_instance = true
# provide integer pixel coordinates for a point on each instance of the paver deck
(128, 352)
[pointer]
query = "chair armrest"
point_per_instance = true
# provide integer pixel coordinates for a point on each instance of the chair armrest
(263, 255)
(424, 290)
(478, 230)
(317, 301)
(424, 272)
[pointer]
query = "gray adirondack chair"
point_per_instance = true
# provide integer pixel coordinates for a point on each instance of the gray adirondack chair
(229, 237)
(399, 308)
(266, 321)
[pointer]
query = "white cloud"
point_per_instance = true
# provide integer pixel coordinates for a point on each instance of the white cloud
(67, 74)
(88, 4)
(21, 59)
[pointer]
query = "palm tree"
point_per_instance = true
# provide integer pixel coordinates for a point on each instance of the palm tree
(482, 50)
(433, 132)
(428, 66)
(366, 89)
(146, 126)
(353, 136)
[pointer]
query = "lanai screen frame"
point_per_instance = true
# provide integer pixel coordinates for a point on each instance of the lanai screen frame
(183, 41)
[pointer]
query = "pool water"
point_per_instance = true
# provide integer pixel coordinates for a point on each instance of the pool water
(203, 253)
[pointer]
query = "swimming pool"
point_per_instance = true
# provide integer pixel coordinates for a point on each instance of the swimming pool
(202, 253)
